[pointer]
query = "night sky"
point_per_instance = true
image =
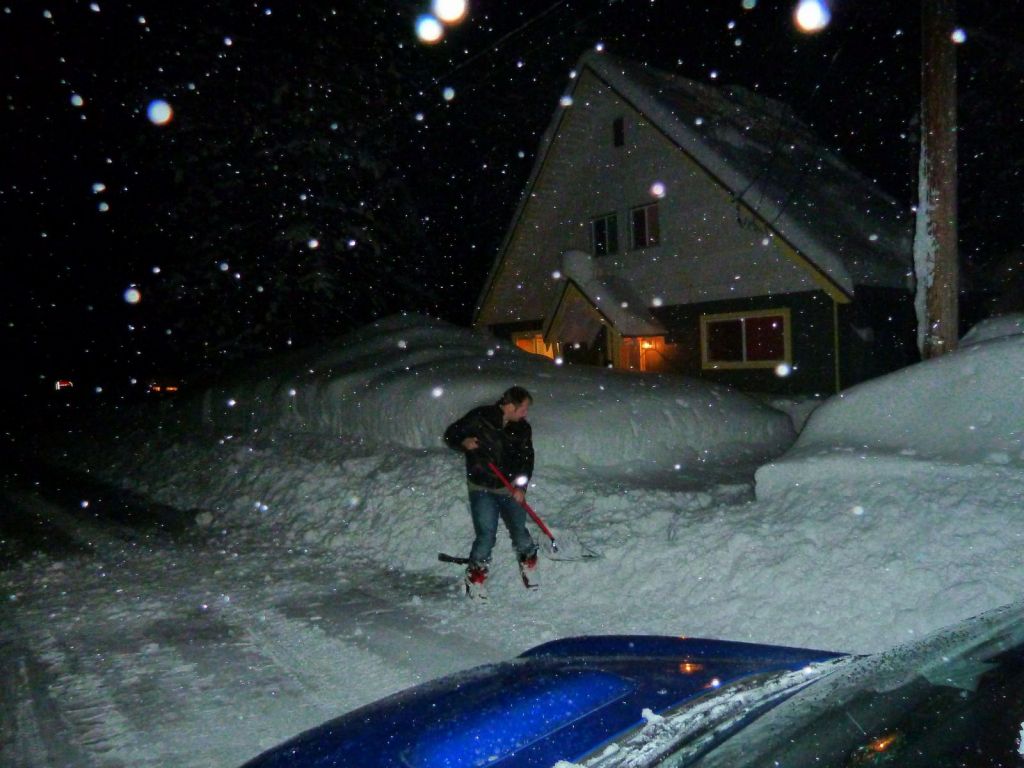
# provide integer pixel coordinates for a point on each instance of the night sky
(323, 167)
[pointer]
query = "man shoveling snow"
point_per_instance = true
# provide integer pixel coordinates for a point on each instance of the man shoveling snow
(497, 441)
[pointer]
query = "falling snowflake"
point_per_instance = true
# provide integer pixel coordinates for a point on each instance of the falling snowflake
(159, 112)
(449, 11)
(429, 29)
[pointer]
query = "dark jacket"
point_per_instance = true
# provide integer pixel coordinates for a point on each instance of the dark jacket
(509, 448)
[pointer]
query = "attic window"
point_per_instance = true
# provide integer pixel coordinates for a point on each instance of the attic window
(604, 235)
(646, 230)
(618, 132)
(758, 339)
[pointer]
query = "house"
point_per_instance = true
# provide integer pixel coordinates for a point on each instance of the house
(669, 225)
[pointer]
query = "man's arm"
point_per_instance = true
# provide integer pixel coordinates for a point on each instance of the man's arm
(460, 435)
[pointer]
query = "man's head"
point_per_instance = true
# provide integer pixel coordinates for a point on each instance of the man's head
(514, 403)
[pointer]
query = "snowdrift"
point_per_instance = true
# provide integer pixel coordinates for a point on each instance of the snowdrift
(960, 412)
(404, 379)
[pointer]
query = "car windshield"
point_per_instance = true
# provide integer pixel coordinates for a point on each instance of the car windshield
(954, 699)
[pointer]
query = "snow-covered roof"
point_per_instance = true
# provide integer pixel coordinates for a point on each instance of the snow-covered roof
(611, 295)
(772, 163)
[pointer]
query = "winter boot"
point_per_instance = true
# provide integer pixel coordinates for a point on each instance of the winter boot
(476, 578)
(528, 570)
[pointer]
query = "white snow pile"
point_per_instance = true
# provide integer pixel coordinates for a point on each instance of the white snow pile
(909, 487)
(994, 328)
(323, 494)
(404, 379)
(962, 409)
(895, 512)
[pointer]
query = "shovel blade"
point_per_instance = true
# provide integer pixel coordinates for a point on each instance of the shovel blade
(568, 547)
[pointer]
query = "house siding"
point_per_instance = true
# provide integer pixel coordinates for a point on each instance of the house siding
(709, 249)
(813, 343)
(878, 334)
(873, 336)
(715, 254)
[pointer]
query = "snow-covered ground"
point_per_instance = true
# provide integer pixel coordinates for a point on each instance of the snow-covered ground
(316, 494)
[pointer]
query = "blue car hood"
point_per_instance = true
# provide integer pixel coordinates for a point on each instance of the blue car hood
(558, 701)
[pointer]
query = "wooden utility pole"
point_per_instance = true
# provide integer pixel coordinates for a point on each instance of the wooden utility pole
(936, 262)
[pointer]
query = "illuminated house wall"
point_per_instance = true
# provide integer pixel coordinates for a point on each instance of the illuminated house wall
(672, 226)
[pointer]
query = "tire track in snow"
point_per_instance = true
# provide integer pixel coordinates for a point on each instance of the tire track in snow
(31, 730)
(383, 621)
(90, 721)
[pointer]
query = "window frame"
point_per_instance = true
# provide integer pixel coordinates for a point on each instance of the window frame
(649, 240)
(722, 317)
(619, 132)
(611, 242)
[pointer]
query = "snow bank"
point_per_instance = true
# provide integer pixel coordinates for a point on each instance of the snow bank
(404, 379)
(962, 408)
(861, 554)
(994, 328)
(323, 495)
(898, 506)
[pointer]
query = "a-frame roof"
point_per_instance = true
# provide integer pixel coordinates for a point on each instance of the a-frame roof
(834, 218)
(610, 297)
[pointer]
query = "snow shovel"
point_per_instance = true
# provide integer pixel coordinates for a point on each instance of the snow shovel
(575, 549)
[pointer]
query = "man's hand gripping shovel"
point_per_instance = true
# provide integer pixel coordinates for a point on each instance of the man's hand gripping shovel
(568, 549)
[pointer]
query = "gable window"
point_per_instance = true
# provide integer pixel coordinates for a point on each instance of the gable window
(604, 235)
(646, 230)
(618, 132)
(758, 339)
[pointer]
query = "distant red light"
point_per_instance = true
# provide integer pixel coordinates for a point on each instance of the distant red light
(162, 389)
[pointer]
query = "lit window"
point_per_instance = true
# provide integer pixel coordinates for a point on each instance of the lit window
(534, 344)
(646, 230)
(604, 233)
(758, 339)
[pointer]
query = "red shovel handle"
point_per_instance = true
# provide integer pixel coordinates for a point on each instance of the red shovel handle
(527, 507)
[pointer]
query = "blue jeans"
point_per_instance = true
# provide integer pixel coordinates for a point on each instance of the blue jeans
(485, 508)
